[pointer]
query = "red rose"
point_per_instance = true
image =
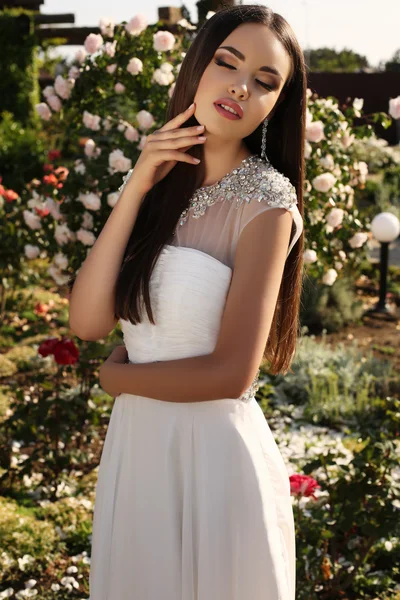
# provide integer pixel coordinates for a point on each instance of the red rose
(47, 168)
(41, 309)
(2, 190)
(66, 353)
(42, 212)
(47, 347)
(303, 485)
(53, 155)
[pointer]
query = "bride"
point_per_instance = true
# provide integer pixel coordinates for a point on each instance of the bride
(200, 261)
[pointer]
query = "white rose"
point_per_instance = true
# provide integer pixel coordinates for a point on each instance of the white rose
(119, 162)
(60, 260)
(163, 41)
(112, 199)
(32, 220)
(358, 103)
(56, 274)
(135, 66)
(315, 131)
(335, 217)
(327, 161)
(136, 25)
(162, 78)
(324, 182)
(86, 237)
(31, 251)
(80, 167)
(107, 124)
(91, 150)
(62, 234)
(310, 256)
(107, 25)
(330, 277)
(347, 139)
(90, 201)
(43, 111)
(145, 119)
(80, 55)
(394, 107)
(307, 149)
(48, 91)
(358, 239)
(87, 221)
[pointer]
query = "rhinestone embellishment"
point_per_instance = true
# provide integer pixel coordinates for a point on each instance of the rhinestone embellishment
(251, 391)
(255, 179)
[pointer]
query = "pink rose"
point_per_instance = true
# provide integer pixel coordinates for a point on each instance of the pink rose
(303, 485)
(91, 150)
(131, 134)
(43, 111)
(135, 66)
(136, 25)
(358, 239)
(86, 237)
(324, 182)
(31, 251)
(107, 25)
(142, 142)
(53, 208)
(62, 234)
(112, 199)
(335, 217)
(91, 121)
(63, 86)
(145, 119)
(310, 256)
(119, 88)
(74, 72)
(330, 277)
(48, 91)
(163, 41)
(56, 274)
(93, 42)
(111, 68)
(315, 131)
(32, 220)
(110, 48)
(87, 221)
(80, 55)
(347, 140)
(394, 107)
(55, 103)
(119, 162)
(60, 260)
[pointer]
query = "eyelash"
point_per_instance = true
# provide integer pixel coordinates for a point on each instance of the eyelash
(221, 63)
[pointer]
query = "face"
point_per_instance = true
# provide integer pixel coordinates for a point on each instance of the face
(240, 73)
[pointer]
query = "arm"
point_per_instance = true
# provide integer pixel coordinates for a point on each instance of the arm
(92, 301)
(250, 305)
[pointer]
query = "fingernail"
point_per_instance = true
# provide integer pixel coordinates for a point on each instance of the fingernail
(191, 106)
(197, 160)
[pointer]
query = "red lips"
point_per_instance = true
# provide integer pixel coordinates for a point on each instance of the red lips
(232, 104)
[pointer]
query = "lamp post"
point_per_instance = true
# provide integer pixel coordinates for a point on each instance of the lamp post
(385, 228)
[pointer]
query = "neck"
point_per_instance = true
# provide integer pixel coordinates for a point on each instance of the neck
(220, 157)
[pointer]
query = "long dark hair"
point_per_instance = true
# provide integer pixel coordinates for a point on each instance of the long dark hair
(163, 204)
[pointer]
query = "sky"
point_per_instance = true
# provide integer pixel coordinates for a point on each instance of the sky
(368, 27)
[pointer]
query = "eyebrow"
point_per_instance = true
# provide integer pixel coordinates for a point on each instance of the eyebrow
(242, 57)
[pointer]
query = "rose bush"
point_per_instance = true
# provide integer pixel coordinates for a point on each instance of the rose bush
(117, 91)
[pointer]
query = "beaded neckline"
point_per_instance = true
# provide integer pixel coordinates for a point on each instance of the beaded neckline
(245, 162)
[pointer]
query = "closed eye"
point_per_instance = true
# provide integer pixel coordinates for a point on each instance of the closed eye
(222, 63)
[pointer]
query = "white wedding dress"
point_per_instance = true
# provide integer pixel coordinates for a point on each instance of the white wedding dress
(193, 499)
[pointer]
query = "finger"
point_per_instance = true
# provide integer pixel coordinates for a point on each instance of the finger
(179, 119)
(175, 143)
(169, 133)
(178, 156)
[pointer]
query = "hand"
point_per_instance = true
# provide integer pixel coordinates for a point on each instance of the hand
(107, 378)
(164, 148)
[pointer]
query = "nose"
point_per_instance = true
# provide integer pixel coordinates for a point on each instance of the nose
(239, 91)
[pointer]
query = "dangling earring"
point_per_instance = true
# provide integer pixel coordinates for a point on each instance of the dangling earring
(264, 139)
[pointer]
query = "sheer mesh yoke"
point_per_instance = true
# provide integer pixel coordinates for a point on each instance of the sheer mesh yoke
(218, 214)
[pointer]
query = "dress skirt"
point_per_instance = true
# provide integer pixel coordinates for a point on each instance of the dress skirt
(192, 503)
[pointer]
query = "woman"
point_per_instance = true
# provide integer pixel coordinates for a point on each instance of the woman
(201, 262)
